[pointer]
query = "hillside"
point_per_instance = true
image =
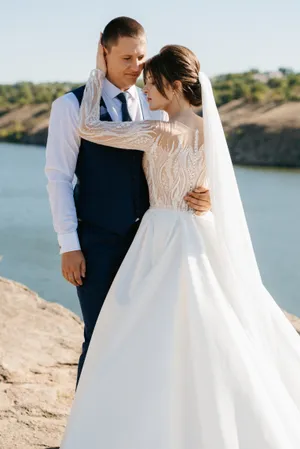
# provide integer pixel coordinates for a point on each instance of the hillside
(266, 134)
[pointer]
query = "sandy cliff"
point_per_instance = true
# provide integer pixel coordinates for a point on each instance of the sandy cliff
(39, 349)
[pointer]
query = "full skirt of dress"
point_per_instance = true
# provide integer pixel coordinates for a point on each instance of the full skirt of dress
(185, 355)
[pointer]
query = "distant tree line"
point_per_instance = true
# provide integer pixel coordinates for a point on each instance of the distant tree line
(23, 93)
(256, 87)
(252, 86)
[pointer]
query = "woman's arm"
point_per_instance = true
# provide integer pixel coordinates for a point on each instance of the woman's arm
(128, 135)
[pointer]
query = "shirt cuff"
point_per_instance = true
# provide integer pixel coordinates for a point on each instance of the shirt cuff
(68, 242)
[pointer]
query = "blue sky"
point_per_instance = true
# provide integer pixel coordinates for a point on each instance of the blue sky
(56, 40)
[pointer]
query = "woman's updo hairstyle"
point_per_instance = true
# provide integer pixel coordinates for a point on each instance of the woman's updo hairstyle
(176, 63)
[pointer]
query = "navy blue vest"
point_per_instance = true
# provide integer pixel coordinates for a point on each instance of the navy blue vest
(111, 191)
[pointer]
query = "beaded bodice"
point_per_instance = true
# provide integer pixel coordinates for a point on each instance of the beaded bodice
(171, 174)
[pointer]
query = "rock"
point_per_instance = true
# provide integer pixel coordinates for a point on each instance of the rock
(40, 345)
(294, 320)
(263, 134)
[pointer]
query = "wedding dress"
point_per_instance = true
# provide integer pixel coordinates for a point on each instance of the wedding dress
(190, 351)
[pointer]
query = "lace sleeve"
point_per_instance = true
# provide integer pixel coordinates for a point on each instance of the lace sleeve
(128, 135)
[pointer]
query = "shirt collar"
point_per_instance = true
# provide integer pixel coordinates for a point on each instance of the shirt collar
(112, 91)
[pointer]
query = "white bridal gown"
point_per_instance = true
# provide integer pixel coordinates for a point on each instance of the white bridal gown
(185, 353)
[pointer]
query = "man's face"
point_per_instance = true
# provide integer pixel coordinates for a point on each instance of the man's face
(125, 61)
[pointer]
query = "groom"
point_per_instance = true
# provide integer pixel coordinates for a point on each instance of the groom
(98, 221)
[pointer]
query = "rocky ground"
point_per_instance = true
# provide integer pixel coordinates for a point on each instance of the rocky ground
(39, 348)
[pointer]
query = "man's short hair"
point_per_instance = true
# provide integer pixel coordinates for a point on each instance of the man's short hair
(121, 27)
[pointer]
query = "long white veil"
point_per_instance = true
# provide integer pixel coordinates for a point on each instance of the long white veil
(227, 207)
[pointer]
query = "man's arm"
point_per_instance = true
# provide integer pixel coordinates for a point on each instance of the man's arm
(61, 158)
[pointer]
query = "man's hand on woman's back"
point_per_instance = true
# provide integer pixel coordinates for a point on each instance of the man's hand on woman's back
(199, 200)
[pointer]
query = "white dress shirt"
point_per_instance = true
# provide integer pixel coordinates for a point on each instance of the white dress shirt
(62, 151)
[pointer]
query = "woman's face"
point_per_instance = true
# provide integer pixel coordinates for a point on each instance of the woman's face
(155, 99)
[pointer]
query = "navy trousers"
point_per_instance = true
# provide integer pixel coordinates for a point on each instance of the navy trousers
(104, 252)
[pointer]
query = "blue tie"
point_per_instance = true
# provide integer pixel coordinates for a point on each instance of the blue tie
(125, 114)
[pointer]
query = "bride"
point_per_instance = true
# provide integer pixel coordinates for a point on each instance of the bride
(190, 351)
